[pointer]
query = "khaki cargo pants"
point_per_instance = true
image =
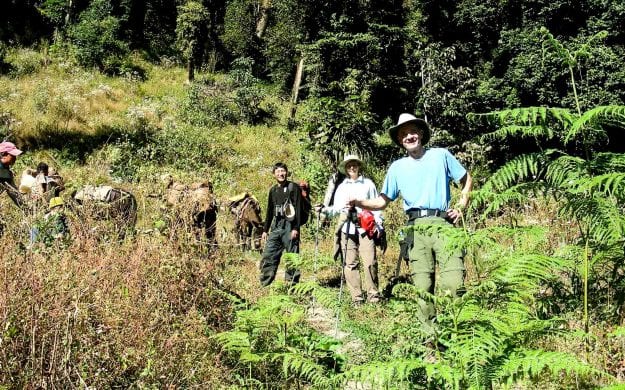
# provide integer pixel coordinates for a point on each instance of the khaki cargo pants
(361, 246)
(429, 250)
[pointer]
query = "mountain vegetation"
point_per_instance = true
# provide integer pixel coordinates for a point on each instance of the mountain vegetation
(527, 94)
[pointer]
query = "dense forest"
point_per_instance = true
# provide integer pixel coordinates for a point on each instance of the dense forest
(357, 64)
(528, 94)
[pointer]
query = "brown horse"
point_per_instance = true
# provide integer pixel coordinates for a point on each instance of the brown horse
(107, 203)
(195, 203)
(248, 221)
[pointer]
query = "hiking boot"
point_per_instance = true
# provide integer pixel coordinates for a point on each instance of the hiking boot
(374, 299)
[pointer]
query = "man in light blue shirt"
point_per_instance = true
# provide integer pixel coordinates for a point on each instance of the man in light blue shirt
(422, 178)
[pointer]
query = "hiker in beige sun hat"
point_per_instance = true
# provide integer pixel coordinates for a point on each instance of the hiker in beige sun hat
(348, 158)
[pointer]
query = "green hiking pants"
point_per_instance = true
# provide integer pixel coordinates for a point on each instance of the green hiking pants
(429, 250)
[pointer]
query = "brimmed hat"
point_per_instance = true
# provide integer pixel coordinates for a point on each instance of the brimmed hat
(10, 148)
(409, 118)
(55, 202)
(348, 158)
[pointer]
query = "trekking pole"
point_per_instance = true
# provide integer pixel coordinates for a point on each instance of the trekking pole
(338, 308)
(316, 255)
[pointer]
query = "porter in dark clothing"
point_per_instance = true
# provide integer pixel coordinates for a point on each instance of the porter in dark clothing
(282, 224)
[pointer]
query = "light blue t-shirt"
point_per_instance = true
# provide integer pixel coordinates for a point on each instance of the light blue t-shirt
(423, 183)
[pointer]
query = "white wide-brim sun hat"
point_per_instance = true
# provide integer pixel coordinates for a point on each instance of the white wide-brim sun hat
(348, 158)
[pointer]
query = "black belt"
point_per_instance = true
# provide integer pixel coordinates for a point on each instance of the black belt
(421, 213)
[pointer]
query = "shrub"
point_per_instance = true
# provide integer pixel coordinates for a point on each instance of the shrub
(209, 104)
(145, 145)
(24, 62)
(96, 37)
(237, 99)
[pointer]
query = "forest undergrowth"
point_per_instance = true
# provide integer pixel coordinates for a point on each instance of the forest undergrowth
(542, 307)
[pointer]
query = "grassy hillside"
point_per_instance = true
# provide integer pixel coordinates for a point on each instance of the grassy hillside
(157, 310)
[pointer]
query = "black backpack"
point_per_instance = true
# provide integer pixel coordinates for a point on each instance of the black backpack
(337, 179)
(306, 203)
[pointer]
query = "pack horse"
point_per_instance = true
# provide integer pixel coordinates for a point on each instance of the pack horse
(248, 220)
(108, 203)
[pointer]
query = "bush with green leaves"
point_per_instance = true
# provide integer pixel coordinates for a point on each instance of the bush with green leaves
(237, 98)
(143, 146)
(24, 62)
(96, 38)
(249, 95)
(340, 126)
(239, 28)
(208, 103)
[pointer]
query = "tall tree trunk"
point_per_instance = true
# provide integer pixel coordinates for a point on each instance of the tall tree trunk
(261, 26)
(296, 85)
(136, 23)
(190, 70)
(69, 11)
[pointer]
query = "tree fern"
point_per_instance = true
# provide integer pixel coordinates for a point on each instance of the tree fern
(485, 336)
(564, 171)
(534, 132)
(528, 116)
(603, 222)
(491, 202)
(592, 121)
(525, 167)
(609, 184)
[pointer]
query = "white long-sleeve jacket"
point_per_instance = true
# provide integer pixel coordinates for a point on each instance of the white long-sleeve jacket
(361, 188)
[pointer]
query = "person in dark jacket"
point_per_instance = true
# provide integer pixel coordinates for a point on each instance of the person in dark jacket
(282, 226)
(8, 155)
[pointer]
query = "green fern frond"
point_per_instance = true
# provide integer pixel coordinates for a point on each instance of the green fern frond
(300, 366)
(564, 171)
(609, 184)
(380, 374)
(529, 116)
(603, 222)
(515, 171)
(528, 270)
(531, 363)
(304, 289)
(594, 119)
(607, 163)
(239, 343)
(327, 297)
(517, 131)
(492, 201)
(233, 341)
